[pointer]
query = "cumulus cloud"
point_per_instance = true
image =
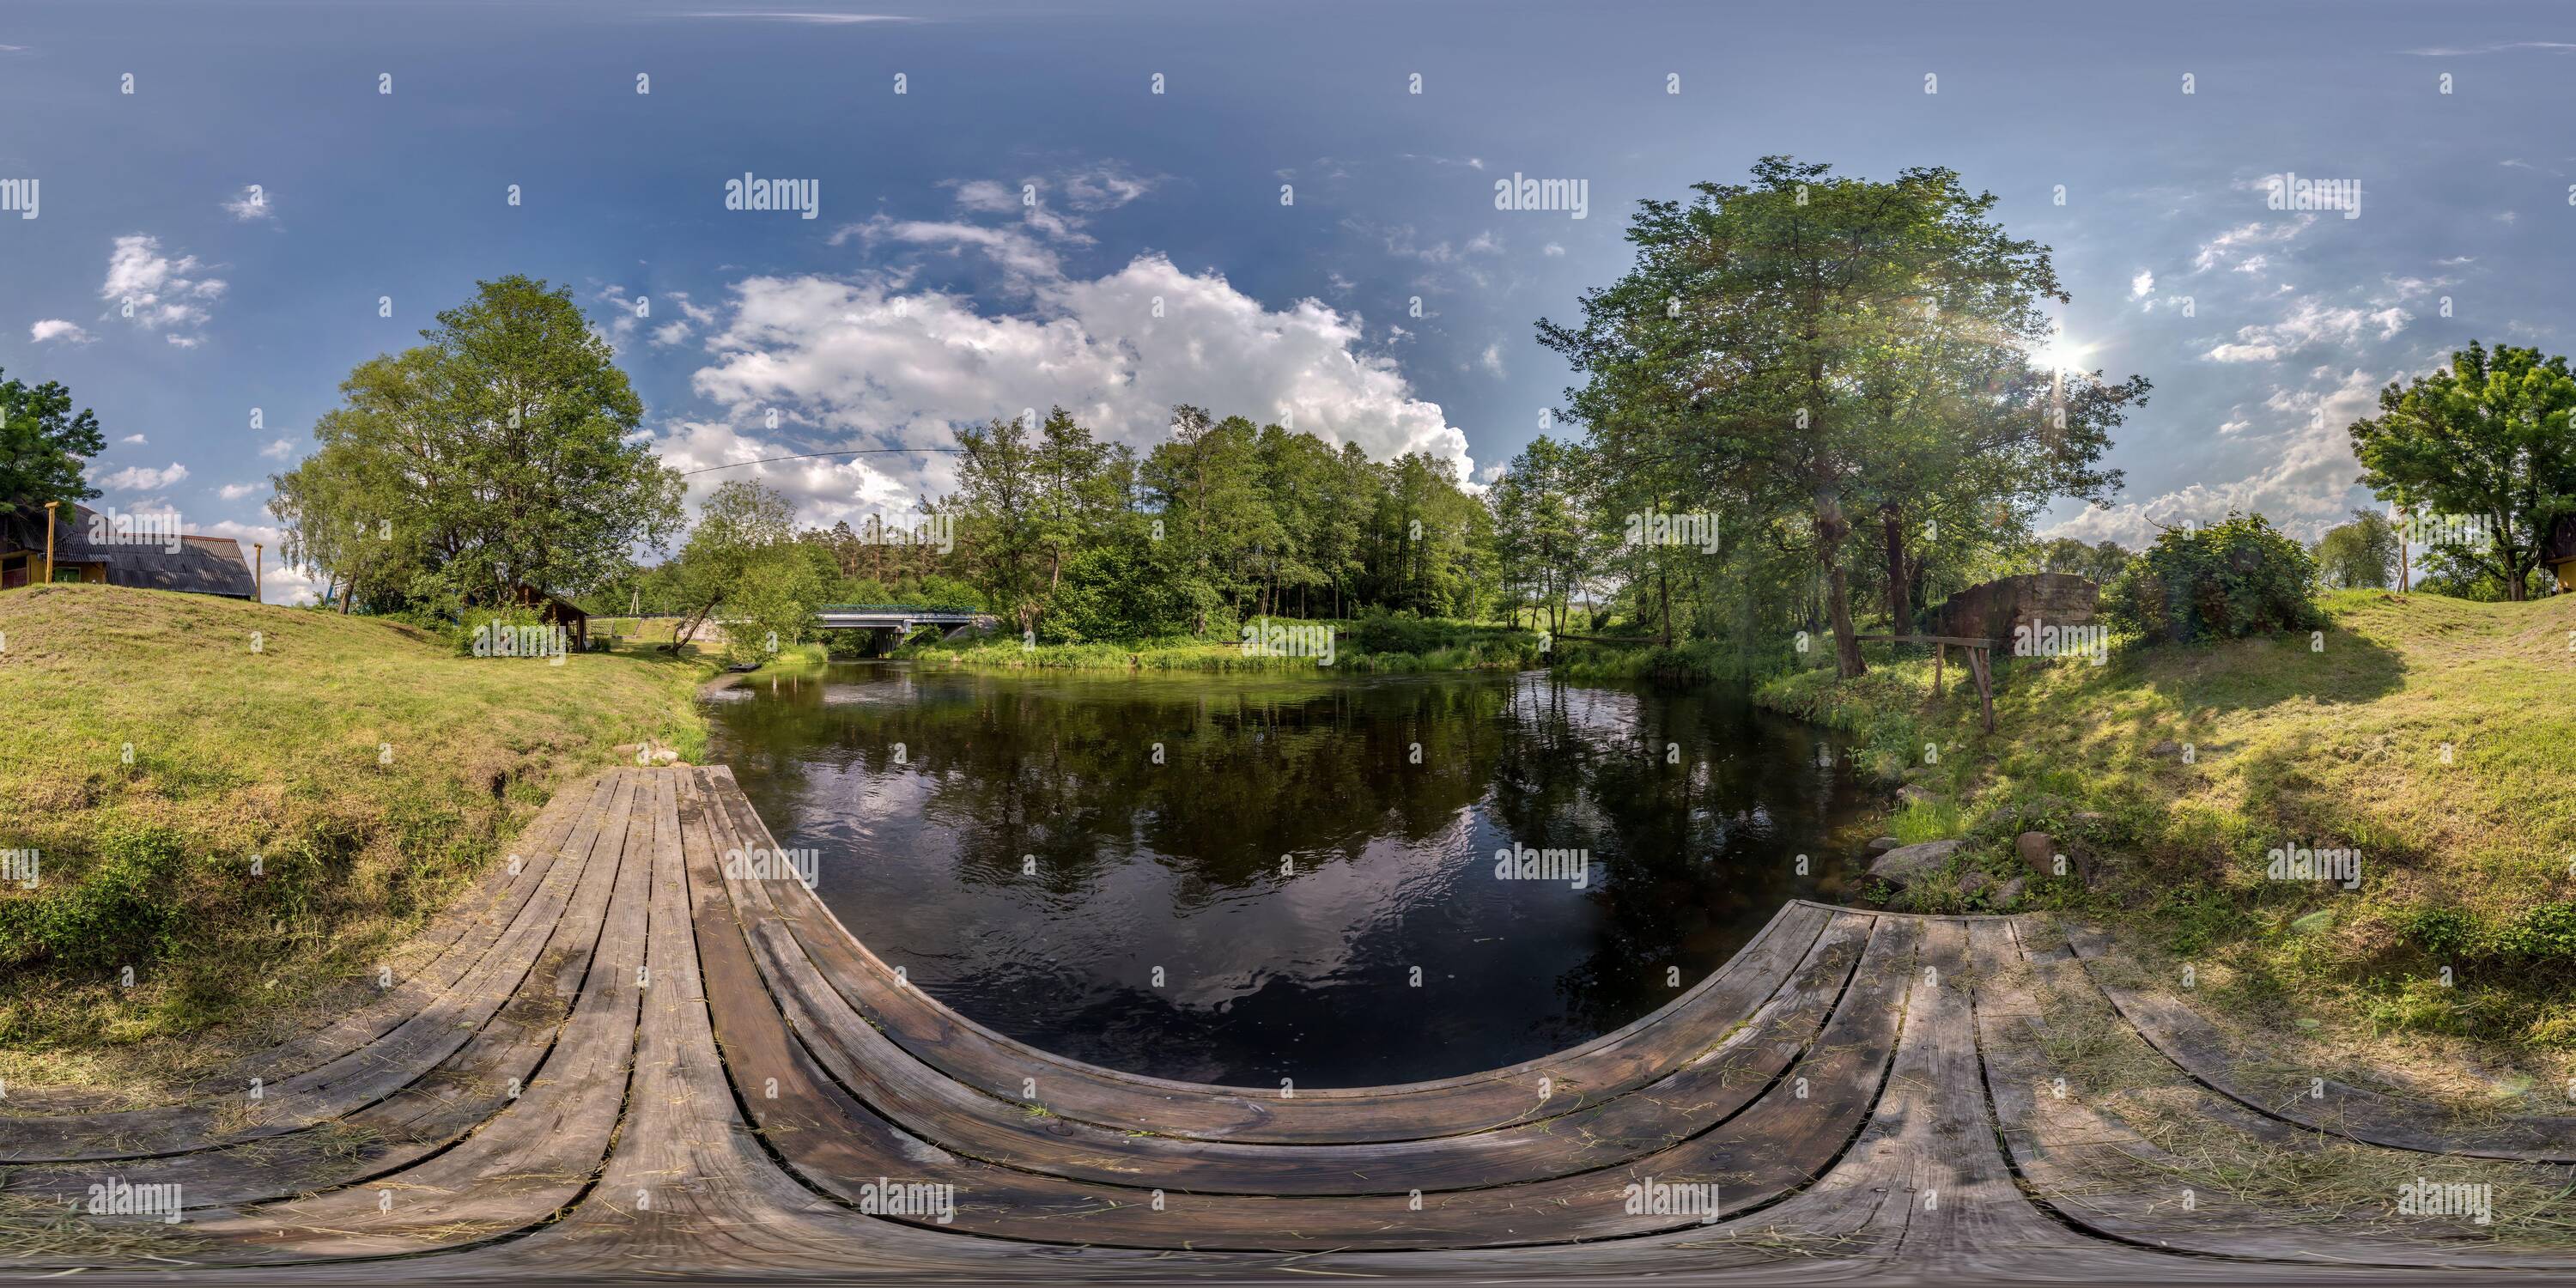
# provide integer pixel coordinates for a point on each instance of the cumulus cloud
(278, 450)
(236, 491)
(1492, 359)
(2310, 323)
(136, 478)
(51, 329)
(2231, 247)
(2304, 483)
(2143, 285)
(869, 360)
(132, 440)
(159, 292)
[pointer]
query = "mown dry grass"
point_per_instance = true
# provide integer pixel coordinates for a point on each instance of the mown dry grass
(149, 753)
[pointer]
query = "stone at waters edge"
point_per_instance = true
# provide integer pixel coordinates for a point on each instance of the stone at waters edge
(1907, 864)
(2038, 853)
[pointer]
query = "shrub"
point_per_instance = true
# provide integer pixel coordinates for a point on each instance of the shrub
(117, 912)
(2445, 933)
(2225, 581)
(2546, 934)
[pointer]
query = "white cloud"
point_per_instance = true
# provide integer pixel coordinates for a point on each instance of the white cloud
(236, 491)
(252, 203)
(136, 478)
(2310, 323)
(2304, 484)
(277, 451)
(1551, 250)
(868, 362)
(50, 329)
(159, 292)
(2237, 242)
(2143, 285)
(1106, 186)
(1492, 359)
(131, 440)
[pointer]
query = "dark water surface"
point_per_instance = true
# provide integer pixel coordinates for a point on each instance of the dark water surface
(1288, 867)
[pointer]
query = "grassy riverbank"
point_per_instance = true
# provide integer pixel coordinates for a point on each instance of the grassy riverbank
(1367, 646)
(2435, 737)
(157, 742)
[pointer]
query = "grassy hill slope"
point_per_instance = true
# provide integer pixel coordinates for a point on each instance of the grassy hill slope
(2437, 737)
(149, 751)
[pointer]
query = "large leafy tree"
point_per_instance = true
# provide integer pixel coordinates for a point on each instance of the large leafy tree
(743, 558)
(42, 446)
(2488, 439)
(502, 452)
(1811, 346)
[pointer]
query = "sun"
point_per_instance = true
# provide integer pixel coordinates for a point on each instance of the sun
(2060, 352)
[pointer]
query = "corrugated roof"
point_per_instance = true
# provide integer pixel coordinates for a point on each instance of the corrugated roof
(200, 565)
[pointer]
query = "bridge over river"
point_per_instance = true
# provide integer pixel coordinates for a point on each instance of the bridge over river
(636, 1054)
(902, 618)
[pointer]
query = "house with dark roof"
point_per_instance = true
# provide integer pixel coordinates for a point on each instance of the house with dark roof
(2558, 554)
(123, 550)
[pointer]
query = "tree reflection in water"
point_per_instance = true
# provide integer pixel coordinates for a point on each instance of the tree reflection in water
(1300, 851)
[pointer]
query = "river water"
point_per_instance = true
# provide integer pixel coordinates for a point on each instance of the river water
(1244, 880)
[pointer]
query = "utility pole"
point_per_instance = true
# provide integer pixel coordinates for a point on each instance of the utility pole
(258, 556)
(49, 541)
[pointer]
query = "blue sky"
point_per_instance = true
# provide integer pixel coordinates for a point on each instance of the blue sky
(928, 288)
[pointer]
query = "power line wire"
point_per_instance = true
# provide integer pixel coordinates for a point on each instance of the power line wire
(808, 456)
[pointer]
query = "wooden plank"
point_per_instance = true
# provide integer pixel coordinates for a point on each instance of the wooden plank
(532, 1159)
(1615, 1063)
(2311, 1099)
(322, 1094)
(441, 955)
(459, 1094)
(924, 1101)
(2067, 1138)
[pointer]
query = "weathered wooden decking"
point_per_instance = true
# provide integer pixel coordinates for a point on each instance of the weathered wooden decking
(622, 1060)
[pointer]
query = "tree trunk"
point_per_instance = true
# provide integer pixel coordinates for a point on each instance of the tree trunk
(1664, 598)
(1900, 598)
(1831, 528)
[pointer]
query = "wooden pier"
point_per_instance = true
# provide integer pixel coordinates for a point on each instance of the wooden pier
(623, 1061)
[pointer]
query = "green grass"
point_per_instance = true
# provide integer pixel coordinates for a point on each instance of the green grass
(2467, 861)
(1436, 646)
(151, 754)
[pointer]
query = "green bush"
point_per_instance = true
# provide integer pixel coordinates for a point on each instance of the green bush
(2544, 935)
(2225, 581)
(118, 912)
(2445, 933)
